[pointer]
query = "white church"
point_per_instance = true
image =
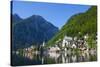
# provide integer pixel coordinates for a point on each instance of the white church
(66, 41)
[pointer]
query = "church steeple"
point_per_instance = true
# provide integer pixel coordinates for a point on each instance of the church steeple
(43, 43)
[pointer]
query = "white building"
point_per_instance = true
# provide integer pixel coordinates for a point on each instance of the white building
(54, 49)
(66, 41)
(73, 46)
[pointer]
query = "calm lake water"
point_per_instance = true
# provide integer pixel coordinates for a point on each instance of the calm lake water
(52, 58)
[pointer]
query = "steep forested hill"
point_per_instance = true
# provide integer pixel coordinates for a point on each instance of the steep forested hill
(85, 23)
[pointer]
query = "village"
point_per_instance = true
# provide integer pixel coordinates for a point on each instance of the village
(62, 45)
(64, 50)
(72, 43)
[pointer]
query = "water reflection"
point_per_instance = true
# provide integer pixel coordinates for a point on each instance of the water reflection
(56, 57)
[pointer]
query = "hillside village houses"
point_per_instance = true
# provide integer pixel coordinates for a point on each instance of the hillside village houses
(64, 44)
(69, 42)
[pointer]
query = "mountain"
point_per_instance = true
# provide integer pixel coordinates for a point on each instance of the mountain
(16, 18)
(85, 23)
(31, 31)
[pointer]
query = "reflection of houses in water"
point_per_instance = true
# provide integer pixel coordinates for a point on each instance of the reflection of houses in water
(59, 57)
(73, 58)
(65, 57)
(28, 55)
(68, 57)
(54, 55)
(83, 56)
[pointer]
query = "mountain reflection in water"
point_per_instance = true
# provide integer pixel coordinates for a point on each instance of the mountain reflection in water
(38, 58)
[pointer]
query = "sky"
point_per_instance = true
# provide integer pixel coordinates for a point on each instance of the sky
(55, 13)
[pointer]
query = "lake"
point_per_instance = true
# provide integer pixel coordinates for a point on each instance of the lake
(38, 58)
